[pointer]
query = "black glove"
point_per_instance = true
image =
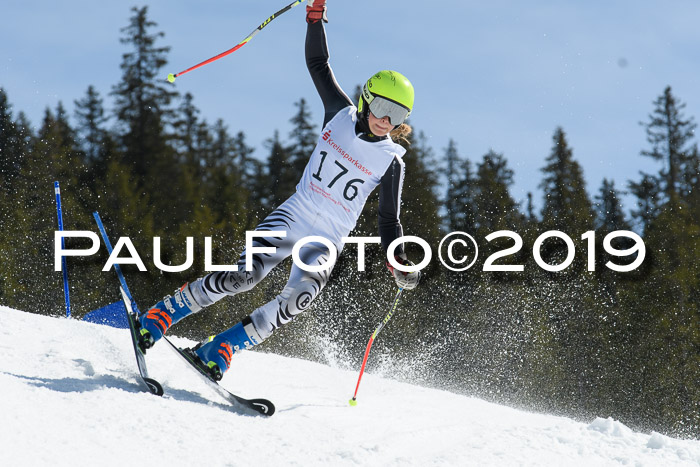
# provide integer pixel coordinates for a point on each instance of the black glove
(315, 11)
(405, 280)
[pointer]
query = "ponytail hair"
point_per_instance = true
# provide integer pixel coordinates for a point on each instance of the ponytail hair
(400, 133)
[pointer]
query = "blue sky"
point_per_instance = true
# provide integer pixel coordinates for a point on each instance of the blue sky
(499, 74)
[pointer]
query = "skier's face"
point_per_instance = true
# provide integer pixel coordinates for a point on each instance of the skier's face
(379, 126)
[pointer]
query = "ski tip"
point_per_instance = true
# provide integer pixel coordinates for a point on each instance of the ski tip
(263, 407)
(154, 386)
(171, 78)
(353, 402)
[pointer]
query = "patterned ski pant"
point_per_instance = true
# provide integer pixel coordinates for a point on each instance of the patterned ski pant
(298, 220)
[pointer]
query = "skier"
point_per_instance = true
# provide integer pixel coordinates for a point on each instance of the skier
(354, 154)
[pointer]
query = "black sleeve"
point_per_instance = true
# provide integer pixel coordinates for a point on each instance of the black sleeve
(389, 205)
(333, 97)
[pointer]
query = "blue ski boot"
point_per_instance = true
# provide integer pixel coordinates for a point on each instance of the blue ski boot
(156, 321)
(217, 351)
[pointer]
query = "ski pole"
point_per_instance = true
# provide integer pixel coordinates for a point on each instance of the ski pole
(353, 401)
(172, 76)
(64, 265)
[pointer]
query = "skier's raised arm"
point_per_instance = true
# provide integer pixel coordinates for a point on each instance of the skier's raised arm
(333, 97)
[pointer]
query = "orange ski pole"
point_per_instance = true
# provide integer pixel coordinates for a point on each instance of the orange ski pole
(353, 401)
(172, 76)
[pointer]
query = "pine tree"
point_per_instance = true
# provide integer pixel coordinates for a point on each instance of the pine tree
(25, 133)
(610, 216)
(495, 208)
(282, 178)
(459, 198)
(566, 204)
(669, 134)
(227, 193)
(452, 161)
(252, 180)
(94, 139)
(142, 103)
(567, 295)
(10, 150)
(302, 138)
(187, 127)
(662, 311)
(230, 158)
(247, 164)
(466, 195)
(142, 108)
(648, 193)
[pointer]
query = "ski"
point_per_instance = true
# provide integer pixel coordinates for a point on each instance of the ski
(129, 306)
(152, 385)
(247, 406)
(239, 404)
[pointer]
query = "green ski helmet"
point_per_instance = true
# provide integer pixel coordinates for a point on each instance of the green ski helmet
(387, 94)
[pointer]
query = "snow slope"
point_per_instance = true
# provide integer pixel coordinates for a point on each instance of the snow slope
(70, 397)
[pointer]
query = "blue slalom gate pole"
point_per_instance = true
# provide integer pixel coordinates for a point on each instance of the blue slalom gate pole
(64, 265)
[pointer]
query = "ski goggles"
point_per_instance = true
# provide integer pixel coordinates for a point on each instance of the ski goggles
(382, 107)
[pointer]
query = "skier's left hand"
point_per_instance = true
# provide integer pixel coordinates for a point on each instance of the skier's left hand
(315, 11)
(405, 280)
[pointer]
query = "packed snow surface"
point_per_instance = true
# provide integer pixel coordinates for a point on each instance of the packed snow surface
(70, 396)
